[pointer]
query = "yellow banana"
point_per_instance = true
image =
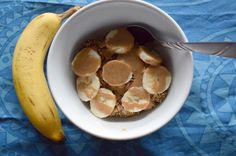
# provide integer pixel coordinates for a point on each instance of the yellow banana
(28, 75)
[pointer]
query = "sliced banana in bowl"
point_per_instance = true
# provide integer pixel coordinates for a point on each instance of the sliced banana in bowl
(116, 73)
(103, 104)
(148, 56)
(156, 80)
(119, 41)
(86, 62)
(135, 99)
(87, 87)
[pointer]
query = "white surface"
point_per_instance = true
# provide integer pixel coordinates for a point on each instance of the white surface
(95, 20)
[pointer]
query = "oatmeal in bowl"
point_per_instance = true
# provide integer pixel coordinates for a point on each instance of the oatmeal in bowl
(118, 77)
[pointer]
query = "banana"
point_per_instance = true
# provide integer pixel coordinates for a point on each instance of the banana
(119, 41)
(156, 80)
(135, 99)
(148, 56)
(116, 73)
(103, 104)
(28, 74)
(87, 87)
(86, 62)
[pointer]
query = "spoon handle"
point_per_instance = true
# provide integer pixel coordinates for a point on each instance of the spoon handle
(226, 49)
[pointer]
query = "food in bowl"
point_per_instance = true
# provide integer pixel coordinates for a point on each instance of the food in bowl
(119, 77)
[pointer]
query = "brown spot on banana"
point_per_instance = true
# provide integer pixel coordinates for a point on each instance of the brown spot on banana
(19, 86)
(31, 101)
(51, 112)
(44, 117)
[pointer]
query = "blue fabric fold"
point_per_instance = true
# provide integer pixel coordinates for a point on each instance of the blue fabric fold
(206, 125)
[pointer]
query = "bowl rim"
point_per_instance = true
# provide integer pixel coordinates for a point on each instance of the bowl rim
(146, 4)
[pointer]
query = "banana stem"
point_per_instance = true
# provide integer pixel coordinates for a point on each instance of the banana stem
(69, 12)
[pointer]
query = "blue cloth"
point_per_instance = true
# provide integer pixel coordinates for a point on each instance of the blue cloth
(206, 125)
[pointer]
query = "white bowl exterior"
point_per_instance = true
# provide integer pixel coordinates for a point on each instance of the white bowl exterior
(107, 14)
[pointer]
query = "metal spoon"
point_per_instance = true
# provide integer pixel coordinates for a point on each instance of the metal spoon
(143, 36)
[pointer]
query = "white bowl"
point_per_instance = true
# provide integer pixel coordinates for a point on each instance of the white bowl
(95, 20)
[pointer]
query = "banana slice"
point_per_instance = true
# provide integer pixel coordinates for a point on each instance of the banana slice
(135, 99)
(86, 62)
(137, 65)
(148, 56)
(116, 73)
(156, 79)
(87, 87)
(119, 40)
(103, 103)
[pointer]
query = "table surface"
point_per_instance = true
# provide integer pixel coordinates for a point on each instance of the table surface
(206, 125)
